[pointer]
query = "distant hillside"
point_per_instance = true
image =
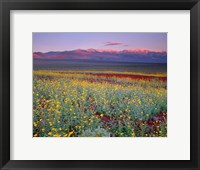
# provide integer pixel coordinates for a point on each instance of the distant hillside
(137, 56)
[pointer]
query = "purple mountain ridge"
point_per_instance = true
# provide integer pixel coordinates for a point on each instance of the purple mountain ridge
(138, 55)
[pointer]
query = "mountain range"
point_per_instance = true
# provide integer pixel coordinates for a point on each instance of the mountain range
(131, 55)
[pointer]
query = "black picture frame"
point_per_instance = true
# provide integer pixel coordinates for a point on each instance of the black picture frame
(7, 5)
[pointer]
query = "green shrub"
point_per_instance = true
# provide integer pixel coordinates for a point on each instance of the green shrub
(99, 132)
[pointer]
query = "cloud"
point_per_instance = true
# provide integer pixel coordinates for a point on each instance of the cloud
(113, 43)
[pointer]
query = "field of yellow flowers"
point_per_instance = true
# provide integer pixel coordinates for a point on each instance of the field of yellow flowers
(99, 104)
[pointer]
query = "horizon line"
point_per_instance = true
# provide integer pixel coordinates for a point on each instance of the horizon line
(105, 50)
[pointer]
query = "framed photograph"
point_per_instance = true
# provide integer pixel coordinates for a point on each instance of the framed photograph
(99, 84)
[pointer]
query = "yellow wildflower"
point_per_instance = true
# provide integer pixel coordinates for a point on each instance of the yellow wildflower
(70, 133)
(49, 133)
(57, 135)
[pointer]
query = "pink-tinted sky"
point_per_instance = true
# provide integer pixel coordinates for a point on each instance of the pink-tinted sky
(65, 41)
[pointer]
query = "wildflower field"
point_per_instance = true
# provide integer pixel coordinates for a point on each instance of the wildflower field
(99, 104)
